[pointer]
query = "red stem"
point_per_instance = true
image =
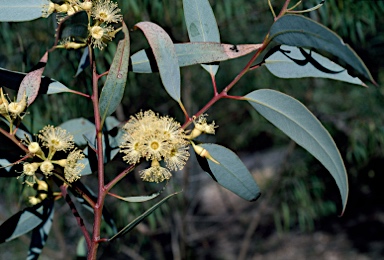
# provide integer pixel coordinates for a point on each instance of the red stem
(112, 183)
(15, 140)
(98, 209)
(80, 93)
(247, 68)
(214, 84)
(223, 94)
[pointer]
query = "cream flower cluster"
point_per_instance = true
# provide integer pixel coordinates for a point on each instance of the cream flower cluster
(102, 12)
(202, 127)
(54, 139)
(153, 138)
(12, 110)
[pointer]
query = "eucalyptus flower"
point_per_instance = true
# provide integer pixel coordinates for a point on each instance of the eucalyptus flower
(72, 167)
(100, 35)
(56, 139)
(106, 11)
(153, 138)
(201, 126)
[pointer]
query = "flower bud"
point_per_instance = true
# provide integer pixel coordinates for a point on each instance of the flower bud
(3, 104)
(33, 200)
(195, 133)
(203, 153)
(62, 8)
(62, 162)
(30, 168)
(86, 6)
(35, 148)
(46, 167)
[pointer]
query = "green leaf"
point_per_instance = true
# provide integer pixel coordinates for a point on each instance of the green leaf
(299, 31)
(231, 173)
(56, 87)
(25, 220)
(12, 80)
(140, 218)
(294, 62)
(22, 10)
(194, 53)
(165, 55)
(139, 198)
(201, 25)
(113, 90)
(297, 122)
(30, 84)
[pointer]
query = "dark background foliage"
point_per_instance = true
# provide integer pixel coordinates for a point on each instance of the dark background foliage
(300, 201)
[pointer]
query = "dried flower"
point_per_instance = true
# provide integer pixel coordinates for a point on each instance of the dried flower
(201, 126)
(3, 104)
(106, 11)
(15, 109)
(72, 167)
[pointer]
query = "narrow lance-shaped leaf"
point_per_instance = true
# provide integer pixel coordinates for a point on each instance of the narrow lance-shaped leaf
(193, 53)
(294, 62)
(297, 122)
(25, 221)
(31, 83)
(113, 90)
(22, 10)
(230, 172)
(12, 80)
(165, 55)
(201, 25)
(139, 198)
(140, 218)
(296, 30)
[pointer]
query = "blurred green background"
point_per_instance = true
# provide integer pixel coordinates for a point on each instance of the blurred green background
(299, 196)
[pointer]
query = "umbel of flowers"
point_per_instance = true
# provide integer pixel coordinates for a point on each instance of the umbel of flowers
(156, 139)
(12, 111)
(101, 14)
(54, 139)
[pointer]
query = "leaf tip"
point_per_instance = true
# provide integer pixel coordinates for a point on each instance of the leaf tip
(256, 197)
